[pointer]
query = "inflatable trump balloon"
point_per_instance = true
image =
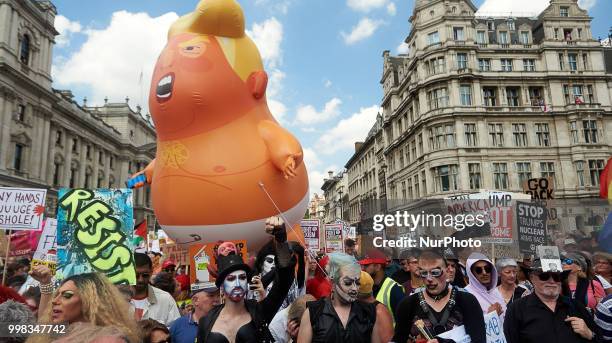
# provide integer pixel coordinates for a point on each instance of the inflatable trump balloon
(223, 163)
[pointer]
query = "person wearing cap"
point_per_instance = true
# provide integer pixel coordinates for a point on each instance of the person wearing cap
(546, 315)
(169, 267)
(440, 306)
(204, 296)
(455, 270)
(383, 316)
(385, 289)
(583, 289)
(245, 320)
(508, 288)
(483, 284)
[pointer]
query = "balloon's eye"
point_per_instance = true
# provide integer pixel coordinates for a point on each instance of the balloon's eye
(193, 50)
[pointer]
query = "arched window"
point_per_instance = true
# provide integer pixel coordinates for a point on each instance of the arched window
(24, 55)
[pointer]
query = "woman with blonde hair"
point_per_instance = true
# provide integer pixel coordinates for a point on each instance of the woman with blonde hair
(90, 304)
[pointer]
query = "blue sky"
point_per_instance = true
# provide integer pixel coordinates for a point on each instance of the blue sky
(323, 58)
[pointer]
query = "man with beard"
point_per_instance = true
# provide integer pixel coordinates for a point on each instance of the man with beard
(340, 318)
(441, 307)
(385, 289)
(150, 302)
(246, 320)
(546, 316)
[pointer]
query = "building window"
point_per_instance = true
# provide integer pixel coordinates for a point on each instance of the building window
(88, 152)
(556, 33)
(461, 61)
(100, 157)
(18, 160)
(437, 98)
(24, 51)
(512, 96)
(470, 134)
(503, 37)
(414, 154)
(445, 178)
(58, 137)
(574, 131)
(417, 192)
(500, 175)
(496, 133)
(72, 178)
(579, 33)
(519, 133)
(433, 38)
(511, 26)
(75, 145)
(529, 65)
(404, 190)
(484, 64)
(56, 173)
(481, 37)
(572, 61)
(580, 173)
(436, 66)
(567, 34)
(595, 169)
(458, 34)
(475, 177)
(525, 37)
(535, 96)
(561, 65)
(589, 128)
(442, 136)
(523, 169)
(564, 11)
(490, 98)
(542, 134)
(423, 182)
(409, 182)
(401, 158)
(491, 25)
(578, 95)
(465, 95)
(21, 109)
(590, 94)
(420, 142)
(547, 169)
(111, 162)
(585, 61)
(506, 64)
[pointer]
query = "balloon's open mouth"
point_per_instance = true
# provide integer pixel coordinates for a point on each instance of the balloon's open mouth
(164, 88)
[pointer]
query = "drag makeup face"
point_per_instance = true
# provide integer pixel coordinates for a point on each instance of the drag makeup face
(235, 285)
(347, 286)
(268, 264)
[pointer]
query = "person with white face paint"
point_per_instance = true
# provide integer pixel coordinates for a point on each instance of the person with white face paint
(340, 318)
(243, 320)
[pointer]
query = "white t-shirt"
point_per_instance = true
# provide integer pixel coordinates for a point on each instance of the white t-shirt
(278, 326)
(159, 305)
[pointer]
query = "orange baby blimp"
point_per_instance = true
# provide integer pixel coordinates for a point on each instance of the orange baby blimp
(223, 163)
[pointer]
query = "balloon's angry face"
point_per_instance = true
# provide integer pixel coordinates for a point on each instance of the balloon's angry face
(192, 86)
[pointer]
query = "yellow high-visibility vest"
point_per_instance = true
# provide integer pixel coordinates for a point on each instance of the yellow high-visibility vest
(384, 295)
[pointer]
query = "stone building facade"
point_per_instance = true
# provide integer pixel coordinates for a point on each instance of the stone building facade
(48, 140)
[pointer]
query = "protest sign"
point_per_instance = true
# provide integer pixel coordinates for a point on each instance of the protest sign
(333, 238)
(311, 229)
(494, 328)
(531, 223)
(550, 258)
(94, 233)
(539, 189)
(47, 240)
(21, 208)
(201, 258)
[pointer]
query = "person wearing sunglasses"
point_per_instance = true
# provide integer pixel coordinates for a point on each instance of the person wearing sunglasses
(583, 288)
(440, 306)
(546, 315)
(483, 284)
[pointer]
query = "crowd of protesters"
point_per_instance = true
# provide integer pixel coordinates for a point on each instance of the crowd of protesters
(285, 294)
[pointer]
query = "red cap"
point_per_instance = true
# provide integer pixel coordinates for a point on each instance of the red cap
(168, 263)
(373, 256)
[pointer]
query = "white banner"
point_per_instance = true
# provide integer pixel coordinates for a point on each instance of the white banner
(21, 208)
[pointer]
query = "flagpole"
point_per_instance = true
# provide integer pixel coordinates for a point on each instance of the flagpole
(8, 249)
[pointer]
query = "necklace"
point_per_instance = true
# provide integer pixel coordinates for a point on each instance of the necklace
(440, 296)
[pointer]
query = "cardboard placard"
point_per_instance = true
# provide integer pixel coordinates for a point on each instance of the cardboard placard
(22, 208)
(201, 257)
(333, 238)
(312, 234)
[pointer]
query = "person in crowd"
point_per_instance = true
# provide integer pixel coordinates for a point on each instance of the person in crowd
(169, 266)
(285, 325)
(151, 302)
(182, 277)
(312, 267)
(350, 247)
(91, 306)
(455, 272)
(128, 293)
(508, 286)
(483, 284)
(204, 296)
(602, 266)
(32, 299)
(569, 245)
(153, 331)
(8, 293)
(167, 283)
(13, 312)
(383, 316)
(547, 316)
(603, 318)
(246, 320)
(521, 275)
(391, 266)
(340, 317)
(407, 275)
(320, 286)
(385, 289)
(582, 288)
(16, 281)
(440, 307)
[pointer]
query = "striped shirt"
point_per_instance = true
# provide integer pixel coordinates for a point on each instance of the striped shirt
(603, 317)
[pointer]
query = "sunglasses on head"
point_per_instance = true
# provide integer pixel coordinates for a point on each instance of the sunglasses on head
(546, 276)
(435, 273)
(567, 261)
(486, 269)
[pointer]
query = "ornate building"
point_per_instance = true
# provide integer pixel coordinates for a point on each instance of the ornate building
(49, 141)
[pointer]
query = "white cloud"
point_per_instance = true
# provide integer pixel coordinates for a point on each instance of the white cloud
(365, 5)
(275, 81)
(268, 37)
(278, 110)
(587, 4)
(311, 158)
(112, 59)
(66, 28)
(316, 177)
(281, 6)
(403, 48)
(391, 9)
(348, 131)
(327, 83)
(364, 29)
(308, 115)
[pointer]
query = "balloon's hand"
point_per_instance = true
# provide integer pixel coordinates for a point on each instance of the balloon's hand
(289, 168)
